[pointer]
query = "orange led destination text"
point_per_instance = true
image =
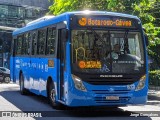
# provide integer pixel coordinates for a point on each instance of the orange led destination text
(98, 22)
(89, 64)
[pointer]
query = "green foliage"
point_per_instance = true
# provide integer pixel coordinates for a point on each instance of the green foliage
(154, 78)
(140, 8)
(60, 6)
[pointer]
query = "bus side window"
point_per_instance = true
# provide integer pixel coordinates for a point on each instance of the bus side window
(41, 42)
(13, 49)
(51, 38)
(19, 46)
(34, 43)
(24, 48)
(29, 44)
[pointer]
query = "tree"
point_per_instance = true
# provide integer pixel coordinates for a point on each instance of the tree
(60, 6)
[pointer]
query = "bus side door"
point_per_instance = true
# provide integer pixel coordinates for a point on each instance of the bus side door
(62, 57)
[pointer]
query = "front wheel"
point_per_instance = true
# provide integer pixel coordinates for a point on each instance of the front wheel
(52, 97)
(22, 89)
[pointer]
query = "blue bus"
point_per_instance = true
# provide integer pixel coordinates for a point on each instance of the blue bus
(82, 58)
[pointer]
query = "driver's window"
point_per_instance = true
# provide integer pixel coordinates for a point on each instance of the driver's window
(117, 43)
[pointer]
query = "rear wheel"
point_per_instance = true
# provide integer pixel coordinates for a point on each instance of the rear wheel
(22, 89)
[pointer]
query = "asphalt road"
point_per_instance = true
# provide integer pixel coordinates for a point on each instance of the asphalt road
(13, 102)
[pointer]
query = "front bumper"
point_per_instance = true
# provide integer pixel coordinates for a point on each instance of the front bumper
(96, 96)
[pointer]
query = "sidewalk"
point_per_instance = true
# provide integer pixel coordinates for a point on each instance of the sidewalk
(154, 93)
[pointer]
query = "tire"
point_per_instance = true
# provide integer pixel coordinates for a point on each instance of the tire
(6, 79)
(52, 97)
(22, 89)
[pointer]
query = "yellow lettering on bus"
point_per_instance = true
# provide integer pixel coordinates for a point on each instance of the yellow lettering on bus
(89, 21)
(89, 64)
(98, 22)
(82, 21)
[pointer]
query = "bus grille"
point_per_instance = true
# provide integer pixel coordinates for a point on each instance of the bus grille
(112, 81)
(111, 92)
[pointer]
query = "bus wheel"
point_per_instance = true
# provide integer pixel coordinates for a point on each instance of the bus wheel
(52, 97)
(22, 89)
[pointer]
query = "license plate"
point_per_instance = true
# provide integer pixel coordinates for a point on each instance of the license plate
(112, 98)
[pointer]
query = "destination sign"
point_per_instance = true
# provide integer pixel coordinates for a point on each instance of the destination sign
(105, 22)
(90, 64)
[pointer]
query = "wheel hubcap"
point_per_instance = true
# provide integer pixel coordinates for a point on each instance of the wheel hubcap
(52, 95)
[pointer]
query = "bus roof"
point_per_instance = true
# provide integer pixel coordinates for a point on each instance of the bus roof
(64, 16)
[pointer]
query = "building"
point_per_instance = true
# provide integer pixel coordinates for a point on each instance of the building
(15, 14)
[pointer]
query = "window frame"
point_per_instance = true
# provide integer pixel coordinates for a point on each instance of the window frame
(38, 40)
(55, 44)
(35, 31)
(36, 35)
(16, 43)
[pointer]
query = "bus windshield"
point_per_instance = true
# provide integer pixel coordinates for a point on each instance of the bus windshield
(100, 51)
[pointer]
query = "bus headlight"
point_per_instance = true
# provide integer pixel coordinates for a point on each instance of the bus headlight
(78, 83)
(141, 83)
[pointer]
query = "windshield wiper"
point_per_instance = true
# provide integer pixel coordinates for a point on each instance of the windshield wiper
(96, 47)
(98, 37)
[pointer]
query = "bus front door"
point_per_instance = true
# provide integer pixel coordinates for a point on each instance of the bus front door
(61, 56)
